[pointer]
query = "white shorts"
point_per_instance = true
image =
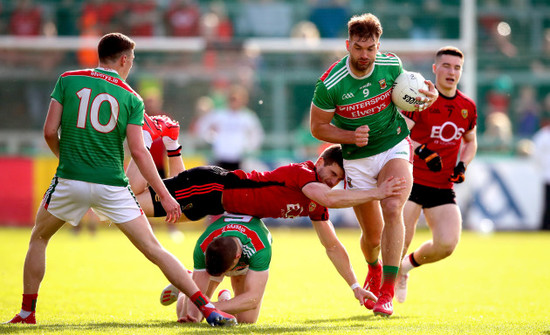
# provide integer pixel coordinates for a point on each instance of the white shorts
(69, 200)
(363, 173)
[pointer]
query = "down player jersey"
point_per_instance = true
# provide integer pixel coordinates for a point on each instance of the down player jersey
(282, 198)
(441, 127)
(363, 101)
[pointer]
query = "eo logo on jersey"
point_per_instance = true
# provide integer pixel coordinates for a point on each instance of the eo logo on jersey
(447, 132)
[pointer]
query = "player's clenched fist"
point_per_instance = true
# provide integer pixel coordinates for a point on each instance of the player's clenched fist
(362, 136)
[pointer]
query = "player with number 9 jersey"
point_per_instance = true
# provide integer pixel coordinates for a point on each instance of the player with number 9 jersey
(97, 106)
(363, 101)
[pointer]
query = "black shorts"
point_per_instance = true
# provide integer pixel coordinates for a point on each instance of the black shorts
(429, 197)
(198, 191)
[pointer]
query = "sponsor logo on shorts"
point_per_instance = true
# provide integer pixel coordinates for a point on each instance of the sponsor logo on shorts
(348, 182)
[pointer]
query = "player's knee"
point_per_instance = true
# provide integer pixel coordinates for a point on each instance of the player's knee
(392, 207)
(446, 248)
(250, 316)
(371, 240)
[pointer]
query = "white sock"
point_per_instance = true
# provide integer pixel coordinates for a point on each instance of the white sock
(147, 139)
(406, 265)
(23, 314)
(170, 144)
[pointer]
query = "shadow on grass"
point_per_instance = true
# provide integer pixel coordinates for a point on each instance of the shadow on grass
(363, 322)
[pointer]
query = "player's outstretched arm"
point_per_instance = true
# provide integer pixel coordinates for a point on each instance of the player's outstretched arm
(338, 198)
(247, 304)
(339, 258)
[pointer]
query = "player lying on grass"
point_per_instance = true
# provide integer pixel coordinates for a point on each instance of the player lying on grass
(303, 189)
(235, 246)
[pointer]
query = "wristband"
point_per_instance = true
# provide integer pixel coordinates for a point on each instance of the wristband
(354, 286)
(174, 153)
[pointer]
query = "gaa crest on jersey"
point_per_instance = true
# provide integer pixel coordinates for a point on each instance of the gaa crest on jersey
(464, 113)
(383, 83)
(312, 206)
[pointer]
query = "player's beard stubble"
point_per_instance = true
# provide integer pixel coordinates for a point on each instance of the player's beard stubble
(361, 65)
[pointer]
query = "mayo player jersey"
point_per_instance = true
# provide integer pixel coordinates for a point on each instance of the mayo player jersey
(278, 194)
(363, 101)
(97, 107)
(441, 127)
(254, 236)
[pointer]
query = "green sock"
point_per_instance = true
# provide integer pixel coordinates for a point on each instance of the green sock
(390, 273)
(373, 264)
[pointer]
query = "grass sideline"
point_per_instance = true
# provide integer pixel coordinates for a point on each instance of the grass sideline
(493, 284)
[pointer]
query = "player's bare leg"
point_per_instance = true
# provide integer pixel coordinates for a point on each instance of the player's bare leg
(139, 232)
(445, 222)
(370, 220)
(393, 234)
(35, 263)
(411, 213)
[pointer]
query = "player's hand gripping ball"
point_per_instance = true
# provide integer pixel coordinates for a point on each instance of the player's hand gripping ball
(406, 90)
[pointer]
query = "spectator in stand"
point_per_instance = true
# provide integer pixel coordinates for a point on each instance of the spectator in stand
(527, 112)
(103, 14)
(217, 30)
(143, 18)
(542, 157)
(498, 133)
(330, 17)
(65, 13)
(216, 25)
(233, 131)
(182, 19)
(26, 19)
(498, 98)
(203, 107)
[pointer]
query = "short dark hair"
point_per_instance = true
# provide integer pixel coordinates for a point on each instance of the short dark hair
(220, 255)
(333, 154)
(365, 26)
(113, 45)
(449, 50)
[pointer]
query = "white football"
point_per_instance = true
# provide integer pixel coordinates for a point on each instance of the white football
(405, 90)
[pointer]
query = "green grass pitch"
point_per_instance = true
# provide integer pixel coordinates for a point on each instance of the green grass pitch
(492, 284)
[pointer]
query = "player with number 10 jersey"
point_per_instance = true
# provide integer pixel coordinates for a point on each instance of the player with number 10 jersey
(97, 106)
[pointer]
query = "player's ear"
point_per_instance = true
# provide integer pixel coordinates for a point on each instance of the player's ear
(320, 162)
